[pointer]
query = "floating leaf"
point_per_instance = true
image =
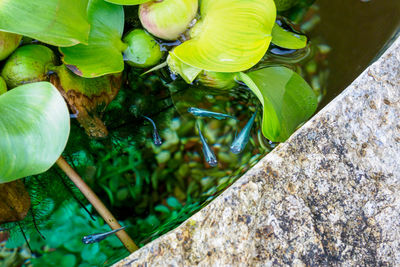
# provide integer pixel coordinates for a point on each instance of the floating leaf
(56, 22)
(232, 35)
(286, 97)
(218, 80)
(34, 129)
(8, 43)
(288, 39)
(128, 2)
(103, 55)
(187, 72)
(14, 202)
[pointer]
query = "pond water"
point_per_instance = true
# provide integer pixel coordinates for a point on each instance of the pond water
(356, 31)
(155, 188)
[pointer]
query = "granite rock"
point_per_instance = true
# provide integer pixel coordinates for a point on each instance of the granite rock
(330, 195)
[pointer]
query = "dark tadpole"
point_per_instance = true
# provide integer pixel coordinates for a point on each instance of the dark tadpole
(209, 154)
(156, 137)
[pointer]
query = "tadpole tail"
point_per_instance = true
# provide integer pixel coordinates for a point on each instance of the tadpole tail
(156, 137)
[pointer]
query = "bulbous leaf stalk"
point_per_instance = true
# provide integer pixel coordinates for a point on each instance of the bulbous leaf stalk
(143, 51)
(28, 64)
(167, 19)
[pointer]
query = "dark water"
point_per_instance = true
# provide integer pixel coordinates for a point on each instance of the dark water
(356, 31)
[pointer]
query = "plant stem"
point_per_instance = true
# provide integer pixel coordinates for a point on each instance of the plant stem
(97, 204)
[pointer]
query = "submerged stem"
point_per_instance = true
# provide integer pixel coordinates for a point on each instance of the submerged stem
(97, 204)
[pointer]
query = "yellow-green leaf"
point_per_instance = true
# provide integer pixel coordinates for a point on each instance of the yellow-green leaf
(288, 39)
(286, 97)
(56, 22)
(231, 36)
(103, 54)
(187, 72)
(34, 129)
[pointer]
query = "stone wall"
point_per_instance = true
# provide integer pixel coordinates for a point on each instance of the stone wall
(330, 195)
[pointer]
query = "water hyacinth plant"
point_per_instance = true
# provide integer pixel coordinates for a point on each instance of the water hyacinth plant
(34, 125)
(71, 64)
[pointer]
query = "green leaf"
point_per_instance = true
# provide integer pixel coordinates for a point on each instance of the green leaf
(162, 208)
(55, 258)
(8, 43)
(3, 86)
(34, 129)
(90, 251)
(187, 72)
(174, 203)
(232, 35)
(56, 22)
(128, 2)
(103, 54)
(288, 39)
(286, 97)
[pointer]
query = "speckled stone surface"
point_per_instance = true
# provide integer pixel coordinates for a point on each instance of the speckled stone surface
(329, 196)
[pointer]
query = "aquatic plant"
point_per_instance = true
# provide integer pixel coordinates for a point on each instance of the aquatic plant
(143, 51)
(9, 42)
(64, 22)
(28, 64)
(219, 45)
(103, 54)
(167, 19)
(34, 122)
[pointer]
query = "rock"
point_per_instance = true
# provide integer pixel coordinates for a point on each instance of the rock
(329, 196)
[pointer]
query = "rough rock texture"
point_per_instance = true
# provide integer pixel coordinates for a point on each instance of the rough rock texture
(329, 196)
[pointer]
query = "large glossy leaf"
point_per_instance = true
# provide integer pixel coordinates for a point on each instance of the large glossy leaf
(56, 22)
(288, 39)
(34, 129)
(103, 54)
(232, 35)
(128, 2)
(8, 43)
(286, 97)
